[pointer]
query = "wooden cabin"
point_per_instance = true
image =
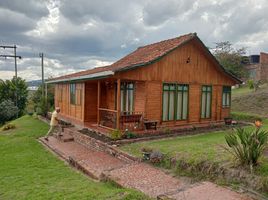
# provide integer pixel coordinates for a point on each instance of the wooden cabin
(175, 82)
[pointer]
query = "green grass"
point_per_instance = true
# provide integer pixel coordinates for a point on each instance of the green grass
(241, 90)
(28, 171)
(195, 148)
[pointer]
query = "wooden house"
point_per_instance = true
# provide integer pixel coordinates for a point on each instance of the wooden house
(175, 82)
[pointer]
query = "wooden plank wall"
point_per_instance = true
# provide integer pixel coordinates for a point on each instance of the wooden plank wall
(91, 100)
(69, 111)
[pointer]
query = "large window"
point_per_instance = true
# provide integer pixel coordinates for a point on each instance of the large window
(72, 93)
(127, 97)
(175, 102)
(226, 96)
(206, 97)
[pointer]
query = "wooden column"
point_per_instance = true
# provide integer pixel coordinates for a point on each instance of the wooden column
(118, 103)
(98, 102)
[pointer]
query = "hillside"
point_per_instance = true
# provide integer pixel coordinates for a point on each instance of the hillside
(249, 101)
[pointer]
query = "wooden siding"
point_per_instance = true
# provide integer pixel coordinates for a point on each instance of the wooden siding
(62, 100)
(91, 100)
(174, 68)
(153, 108)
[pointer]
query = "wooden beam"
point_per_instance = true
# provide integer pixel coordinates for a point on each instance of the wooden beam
(118, 103)
(98, 102)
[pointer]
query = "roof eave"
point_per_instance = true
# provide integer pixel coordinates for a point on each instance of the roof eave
(99, 75)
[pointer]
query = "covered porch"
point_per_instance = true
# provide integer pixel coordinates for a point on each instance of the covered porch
(112, 104)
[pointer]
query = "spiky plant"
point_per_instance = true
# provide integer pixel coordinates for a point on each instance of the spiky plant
(247, 145)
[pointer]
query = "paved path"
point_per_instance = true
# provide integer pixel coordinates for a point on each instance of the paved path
(151, 181)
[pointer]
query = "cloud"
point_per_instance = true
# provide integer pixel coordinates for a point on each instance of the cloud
(81, 34)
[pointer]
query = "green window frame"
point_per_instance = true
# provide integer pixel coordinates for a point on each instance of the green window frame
(175, 101)
(73, 93)
(226, 96)
(127, 97)
(206, 101)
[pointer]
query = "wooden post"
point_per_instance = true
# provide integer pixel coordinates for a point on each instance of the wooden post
(118, 103)
(98, 103)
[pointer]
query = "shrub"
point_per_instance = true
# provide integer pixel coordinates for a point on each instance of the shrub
(8, 111)
(247, 145)
(116, 134)
(245, 116)
(8, 126)
(251, 84)
(129, 135)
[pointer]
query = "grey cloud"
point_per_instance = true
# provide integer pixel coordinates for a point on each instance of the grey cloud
(30, 8)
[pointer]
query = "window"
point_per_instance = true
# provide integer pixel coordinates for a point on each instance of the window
(72, 93)
(127, 97)
(175, 102)
(226, 96)
(206, 97)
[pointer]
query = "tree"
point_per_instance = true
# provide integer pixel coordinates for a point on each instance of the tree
(40, 102)
(231, 58)
(8, 111)
(16, 91)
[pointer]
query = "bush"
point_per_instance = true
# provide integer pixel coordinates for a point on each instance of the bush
(129, 135)
(247, 146)
(251, 84)
(116, 134)
(245, 116)
(8, 111)
(8, 126)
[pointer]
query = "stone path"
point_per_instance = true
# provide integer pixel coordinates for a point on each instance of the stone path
(149, 180)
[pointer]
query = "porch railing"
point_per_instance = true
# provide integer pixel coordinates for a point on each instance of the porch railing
(108, 118)
(127, 120)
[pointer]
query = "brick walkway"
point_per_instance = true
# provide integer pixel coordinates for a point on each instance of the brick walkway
(149, 180)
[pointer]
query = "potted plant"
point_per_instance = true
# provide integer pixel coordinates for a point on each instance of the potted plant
(146, 152)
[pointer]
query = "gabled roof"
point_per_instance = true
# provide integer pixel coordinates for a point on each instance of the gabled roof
(140, 57)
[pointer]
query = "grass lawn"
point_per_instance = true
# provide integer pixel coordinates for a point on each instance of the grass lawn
(194, 148)
(28, 171)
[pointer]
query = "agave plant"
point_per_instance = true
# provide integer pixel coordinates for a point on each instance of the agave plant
(247, 145)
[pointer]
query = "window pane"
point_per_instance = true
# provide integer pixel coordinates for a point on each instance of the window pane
(165, 105)
(166, 87)
(179, 105)
(228, 99)
(223, 99)
(185, 105)
(203, 105)
(171, 105)
(130, 100)
(122, 100)
(208, 106)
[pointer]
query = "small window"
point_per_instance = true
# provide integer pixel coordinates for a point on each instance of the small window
(73, 93)
(226, 96)
(206, 100)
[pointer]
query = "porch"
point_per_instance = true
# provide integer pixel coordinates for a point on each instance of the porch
(112, 104)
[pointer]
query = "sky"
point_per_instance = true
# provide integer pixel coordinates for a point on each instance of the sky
(75, 35)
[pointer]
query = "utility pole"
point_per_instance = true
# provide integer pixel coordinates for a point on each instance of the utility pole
(41, 55)
(16, 69)
(11, 56)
